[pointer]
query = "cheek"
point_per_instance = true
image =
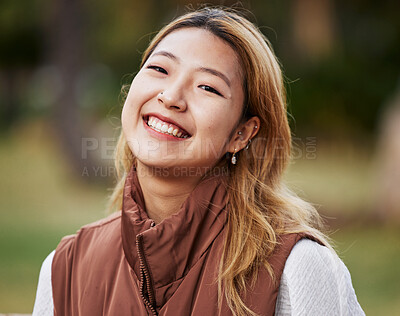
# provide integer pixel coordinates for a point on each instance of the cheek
(124, 118)
(217, 127)
(141, 90)
(128, 113)
(130, 116)
(137, 96)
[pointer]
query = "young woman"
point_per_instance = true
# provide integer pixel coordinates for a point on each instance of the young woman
(206, 226)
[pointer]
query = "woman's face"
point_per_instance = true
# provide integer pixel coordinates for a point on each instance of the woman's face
(185, 102)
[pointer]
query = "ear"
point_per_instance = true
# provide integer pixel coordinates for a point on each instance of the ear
(243, 133)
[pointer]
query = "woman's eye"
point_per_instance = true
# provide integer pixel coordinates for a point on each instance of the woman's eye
(210, 89)
(158, 69)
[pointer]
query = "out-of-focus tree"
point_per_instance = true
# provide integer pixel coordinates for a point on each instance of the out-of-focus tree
(313, 28)
(387, 208)
(20, 50)
(66, 53)
(341, 94)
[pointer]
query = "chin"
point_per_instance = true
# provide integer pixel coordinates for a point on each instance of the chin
(174, 168)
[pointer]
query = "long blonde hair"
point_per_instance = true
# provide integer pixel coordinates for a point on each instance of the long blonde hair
(260, 206)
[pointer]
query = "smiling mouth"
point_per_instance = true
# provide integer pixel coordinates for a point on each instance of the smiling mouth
(165, 128)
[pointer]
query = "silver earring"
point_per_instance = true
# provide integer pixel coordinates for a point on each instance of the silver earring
(256, 127)
(240, 133)
(248, 144)
(234, 159)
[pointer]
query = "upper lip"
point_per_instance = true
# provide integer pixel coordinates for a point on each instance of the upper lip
(167, 120)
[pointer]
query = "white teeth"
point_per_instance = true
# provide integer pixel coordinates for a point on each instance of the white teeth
(164, 128)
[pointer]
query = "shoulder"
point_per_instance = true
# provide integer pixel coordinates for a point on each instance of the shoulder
(317, 282)
(88, 248)
(306, 252)
(317, 266)
(44, 297)
(92, 228)
(109, 220)
(45, 270)
(100, 235)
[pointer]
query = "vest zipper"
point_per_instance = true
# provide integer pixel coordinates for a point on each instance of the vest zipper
(145, 277)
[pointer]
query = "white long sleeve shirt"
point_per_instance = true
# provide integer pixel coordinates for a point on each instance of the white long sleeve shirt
(314, 282)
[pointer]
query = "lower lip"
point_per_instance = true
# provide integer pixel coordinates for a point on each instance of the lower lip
(159, 135)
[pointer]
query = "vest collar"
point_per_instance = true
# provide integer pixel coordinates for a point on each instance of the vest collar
(173, 246)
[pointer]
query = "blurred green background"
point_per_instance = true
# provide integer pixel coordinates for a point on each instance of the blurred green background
(62, 65)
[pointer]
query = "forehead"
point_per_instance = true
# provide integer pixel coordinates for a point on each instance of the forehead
(200, 47)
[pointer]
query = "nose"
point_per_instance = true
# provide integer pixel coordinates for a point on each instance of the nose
(172, 100)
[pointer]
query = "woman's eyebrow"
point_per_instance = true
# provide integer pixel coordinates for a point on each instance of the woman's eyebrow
(211, 71)
(167, 54)
(215, 73)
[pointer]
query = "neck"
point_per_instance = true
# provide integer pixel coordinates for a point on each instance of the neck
(163, 194)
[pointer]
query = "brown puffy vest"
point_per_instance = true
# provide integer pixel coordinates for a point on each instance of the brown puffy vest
(126, 265)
